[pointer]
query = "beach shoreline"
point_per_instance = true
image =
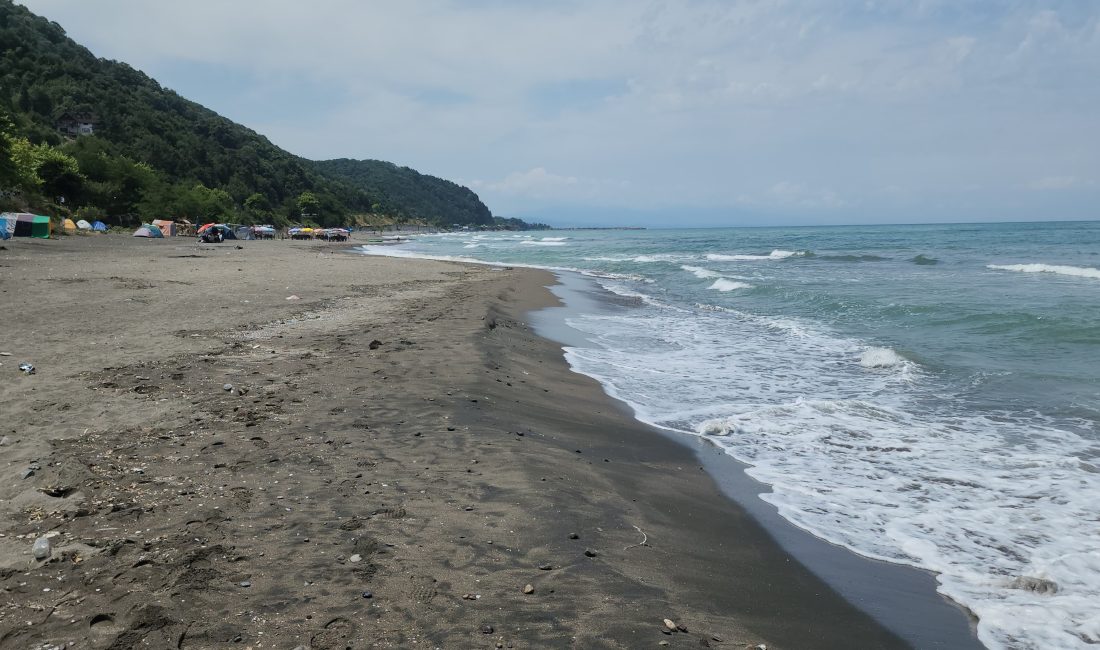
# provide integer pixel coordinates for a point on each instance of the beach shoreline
(903, 598)
(282, 444)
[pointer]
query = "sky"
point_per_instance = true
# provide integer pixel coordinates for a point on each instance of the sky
(639, 112)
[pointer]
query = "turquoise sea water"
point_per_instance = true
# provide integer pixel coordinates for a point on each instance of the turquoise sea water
(927, 395)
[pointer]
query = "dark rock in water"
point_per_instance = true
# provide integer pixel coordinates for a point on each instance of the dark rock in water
(1038, 585)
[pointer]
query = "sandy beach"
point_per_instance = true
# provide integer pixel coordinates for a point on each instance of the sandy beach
(283, 445)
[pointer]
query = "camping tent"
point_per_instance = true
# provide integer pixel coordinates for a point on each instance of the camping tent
(32, 225)
(69, 225)
(7, 225)
(167, 228)
(83, 225)
(99, 226)
(263, 232)
(227, 232)
(149, 230)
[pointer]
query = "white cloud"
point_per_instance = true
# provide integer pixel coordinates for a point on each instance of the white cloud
(696, 104)
(1059, 183)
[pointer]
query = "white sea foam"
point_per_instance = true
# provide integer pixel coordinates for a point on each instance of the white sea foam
(1077, 271)
(880, 358)
(722, 284)
(879, 462)
(637, 259)
(554, 238)
(774, 255)
(701, 273)
(543, 242)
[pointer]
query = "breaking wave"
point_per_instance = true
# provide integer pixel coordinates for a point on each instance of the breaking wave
(722, 284)
(774, 255)
(1077, 271)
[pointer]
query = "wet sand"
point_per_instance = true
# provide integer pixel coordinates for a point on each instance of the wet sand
(385, 460)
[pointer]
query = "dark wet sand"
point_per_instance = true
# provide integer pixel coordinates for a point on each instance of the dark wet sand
(396, 432)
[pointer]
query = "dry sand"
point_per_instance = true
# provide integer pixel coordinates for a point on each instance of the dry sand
(386, 461)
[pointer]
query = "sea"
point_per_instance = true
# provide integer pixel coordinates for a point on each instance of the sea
(927, 395)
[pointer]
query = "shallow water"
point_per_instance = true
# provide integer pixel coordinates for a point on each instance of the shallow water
(926, 395)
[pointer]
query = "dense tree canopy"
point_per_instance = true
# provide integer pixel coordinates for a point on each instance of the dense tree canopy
(407, 193)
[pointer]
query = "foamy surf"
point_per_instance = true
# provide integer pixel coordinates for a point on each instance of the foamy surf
(774, 255)
(1076, 271)
(722, 284)
(701, 273)
(880, 358)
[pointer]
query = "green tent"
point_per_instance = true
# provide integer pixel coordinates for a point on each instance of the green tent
(32, 225)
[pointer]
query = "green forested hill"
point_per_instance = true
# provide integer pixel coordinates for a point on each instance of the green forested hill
(154, 153)
(408, 193)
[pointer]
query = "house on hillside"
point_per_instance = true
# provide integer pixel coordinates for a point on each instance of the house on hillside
(77, 124)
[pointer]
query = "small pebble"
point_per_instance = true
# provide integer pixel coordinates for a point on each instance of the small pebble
(546, 567)
(486, 629)
(227, 387)
(590, 553)
(245, 583)
(367, 594)
(355, 558)
(528, 589)
(670, 625)
(574, 536)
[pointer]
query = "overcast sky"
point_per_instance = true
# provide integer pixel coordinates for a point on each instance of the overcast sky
(629, 111)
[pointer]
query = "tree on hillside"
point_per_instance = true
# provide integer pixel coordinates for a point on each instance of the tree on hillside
(257, 207)
(205, 204)
(308, 204)
(59, 173)
(9, 178)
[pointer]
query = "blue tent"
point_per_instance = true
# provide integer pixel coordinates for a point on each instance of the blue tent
(99, 226)
(149, 230)
(7, 226)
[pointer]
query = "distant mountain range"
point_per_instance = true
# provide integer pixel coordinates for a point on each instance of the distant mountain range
(90, 136)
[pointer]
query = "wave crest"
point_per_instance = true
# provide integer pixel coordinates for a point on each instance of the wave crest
(774, 255)
(1076, 271)
(880, 358)
(722, 284)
